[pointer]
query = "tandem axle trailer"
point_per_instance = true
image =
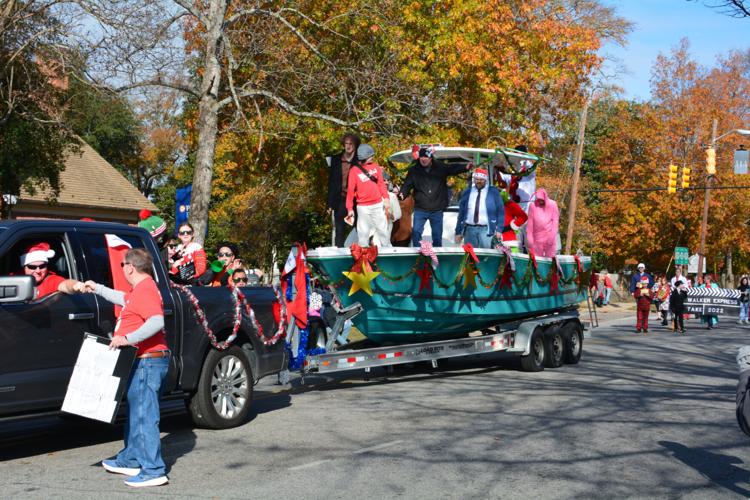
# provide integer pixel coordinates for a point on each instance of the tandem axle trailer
(543, 341)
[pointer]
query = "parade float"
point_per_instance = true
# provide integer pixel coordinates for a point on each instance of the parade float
(410, 295)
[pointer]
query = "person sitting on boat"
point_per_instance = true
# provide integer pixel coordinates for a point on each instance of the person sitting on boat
(367, 186)
(515, 218)
(427, 179)
(542, 225)
(480, 209)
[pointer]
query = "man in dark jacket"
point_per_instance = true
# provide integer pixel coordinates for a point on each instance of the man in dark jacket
(337, 184)
(427, 179)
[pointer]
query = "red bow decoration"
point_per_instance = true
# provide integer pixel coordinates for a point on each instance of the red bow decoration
(532, 257)
(554, 277)
(424, 276)
(415, 151)
(468, 248)
(579, 266)
(363, 257)
(507, 275)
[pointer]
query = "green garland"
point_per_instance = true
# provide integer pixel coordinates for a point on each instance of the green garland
(531, 272)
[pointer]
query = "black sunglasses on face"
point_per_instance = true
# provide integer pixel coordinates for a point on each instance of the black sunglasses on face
(239, 280)
(185, 232)
(122, 264)
(34, 268)
(227, 254)
(172, 246)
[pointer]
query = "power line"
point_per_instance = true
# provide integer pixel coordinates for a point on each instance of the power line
(640, 190)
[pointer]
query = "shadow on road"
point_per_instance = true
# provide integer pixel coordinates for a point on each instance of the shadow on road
(717, 468)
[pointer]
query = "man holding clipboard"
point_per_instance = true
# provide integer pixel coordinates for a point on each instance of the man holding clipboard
(141, 324)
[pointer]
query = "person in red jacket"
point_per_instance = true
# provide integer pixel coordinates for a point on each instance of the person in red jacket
(642, 296)
(367, 186)
(515, 217)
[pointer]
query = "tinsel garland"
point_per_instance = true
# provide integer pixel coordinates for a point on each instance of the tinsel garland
(239, 303)
(296, 362)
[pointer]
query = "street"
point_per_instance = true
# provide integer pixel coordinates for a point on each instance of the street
(640, 416)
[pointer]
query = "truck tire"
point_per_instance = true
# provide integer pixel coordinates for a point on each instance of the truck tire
(225, 390)
(554, 348)
(573, 336)
(534, 360)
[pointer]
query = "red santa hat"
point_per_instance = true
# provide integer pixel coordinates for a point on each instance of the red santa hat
(644, 279)
(481, 173)
(38, 252)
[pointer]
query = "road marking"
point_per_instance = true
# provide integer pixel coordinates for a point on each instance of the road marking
(356, 452)
(377, 447)
(308, 465)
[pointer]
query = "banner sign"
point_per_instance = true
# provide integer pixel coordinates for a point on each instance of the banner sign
(182, 205)
(713, 301)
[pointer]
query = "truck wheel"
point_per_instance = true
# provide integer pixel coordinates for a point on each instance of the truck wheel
(573, 342)
(554, 348)
(534, 360)
(225, 390)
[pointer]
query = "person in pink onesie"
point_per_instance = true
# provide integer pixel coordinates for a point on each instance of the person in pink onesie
(542, 225)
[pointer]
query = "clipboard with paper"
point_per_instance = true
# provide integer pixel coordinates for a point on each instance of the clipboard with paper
(99, 379)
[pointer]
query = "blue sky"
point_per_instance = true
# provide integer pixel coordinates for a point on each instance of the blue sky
(658, 27)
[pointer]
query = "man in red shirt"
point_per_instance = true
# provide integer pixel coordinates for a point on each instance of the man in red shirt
(35, 262)
(141, 324)
(367, 186)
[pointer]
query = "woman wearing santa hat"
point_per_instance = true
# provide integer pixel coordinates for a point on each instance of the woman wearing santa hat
(35, 262)
(481, 213)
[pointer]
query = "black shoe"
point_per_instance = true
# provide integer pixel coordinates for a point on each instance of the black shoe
(637, 330)
(645, 331)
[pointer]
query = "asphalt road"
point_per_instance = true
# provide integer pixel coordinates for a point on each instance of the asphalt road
(640, 416)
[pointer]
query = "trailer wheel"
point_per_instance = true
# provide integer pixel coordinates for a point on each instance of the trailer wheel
(554, 348)
(225, 390)
(573, 342)
(534, 360)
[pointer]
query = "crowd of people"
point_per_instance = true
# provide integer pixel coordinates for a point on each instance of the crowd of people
(360, 194)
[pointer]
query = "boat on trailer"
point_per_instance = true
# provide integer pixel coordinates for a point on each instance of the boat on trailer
(413, 295)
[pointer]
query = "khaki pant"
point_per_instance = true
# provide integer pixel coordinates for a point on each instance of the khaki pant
(371, 218)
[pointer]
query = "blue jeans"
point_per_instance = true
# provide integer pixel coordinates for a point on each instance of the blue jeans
(477, 236)
(142, 441)
(607, 295)
(744, 310)
(436, 225)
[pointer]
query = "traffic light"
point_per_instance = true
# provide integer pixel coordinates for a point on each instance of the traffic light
(711, 161)
(685, 177)
(672, 186)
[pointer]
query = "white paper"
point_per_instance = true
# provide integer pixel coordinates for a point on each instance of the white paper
(93, 388)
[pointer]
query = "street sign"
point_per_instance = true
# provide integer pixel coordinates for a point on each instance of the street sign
(713, 301)
(681, 256)
(693, 264)
(740, 161)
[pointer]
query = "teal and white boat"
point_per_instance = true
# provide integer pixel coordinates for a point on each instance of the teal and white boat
(412, 301)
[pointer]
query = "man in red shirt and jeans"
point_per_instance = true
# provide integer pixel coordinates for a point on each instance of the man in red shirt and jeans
(367, 186)
(141, 324)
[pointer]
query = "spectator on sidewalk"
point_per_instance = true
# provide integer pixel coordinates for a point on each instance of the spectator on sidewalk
(744, 289)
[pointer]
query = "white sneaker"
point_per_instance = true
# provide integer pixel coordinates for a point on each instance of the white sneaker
(142, 482)
(115, 468)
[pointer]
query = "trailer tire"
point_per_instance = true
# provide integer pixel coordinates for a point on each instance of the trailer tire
(573, 336)
(225, 390)
(554, 348)
(534, 360)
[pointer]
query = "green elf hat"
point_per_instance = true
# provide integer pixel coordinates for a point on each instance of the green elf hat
(151, 223)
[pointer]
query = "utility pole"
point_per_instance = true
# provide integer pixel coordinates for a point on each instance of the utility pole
(706, 198)
(576, 175)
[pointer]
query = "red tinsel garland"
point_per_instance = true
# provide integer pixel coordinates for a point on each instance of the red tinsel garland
(239, 302)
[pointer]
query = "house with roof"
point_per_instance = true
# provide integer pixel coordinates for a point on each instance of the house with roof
(89, 187)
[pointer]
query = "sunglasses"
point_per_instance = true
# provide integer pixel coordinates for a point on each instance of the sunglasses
(34, 268)
(226, 254)
(172, 246)
(123, 264)
(239, 280)
(181, 233)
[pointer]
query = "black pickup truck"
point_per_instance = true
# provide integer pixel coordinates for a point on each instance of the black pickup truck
(40, 339)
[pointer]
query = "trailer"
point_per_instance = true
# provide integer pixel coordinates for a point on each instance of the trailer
(547, 341)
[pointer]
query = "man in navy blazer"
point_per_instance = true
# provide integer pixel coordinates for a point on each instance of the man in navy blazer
(480, 210)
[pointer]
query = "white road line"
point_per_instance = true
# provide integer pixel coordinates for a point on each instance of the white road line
(378, 447)
(310, 464)
(357, 452)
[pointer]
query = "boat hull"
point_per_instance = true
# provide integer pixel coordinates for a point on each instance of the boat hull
(448, 305)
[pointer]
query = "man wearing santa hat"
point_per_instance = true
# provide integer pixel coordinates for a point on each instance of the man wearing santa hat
(480, 210)
(35, 262)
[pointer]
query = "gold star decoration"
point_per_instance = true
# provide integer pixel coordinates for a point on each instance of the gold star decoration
(361, 281)
(469, 276)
